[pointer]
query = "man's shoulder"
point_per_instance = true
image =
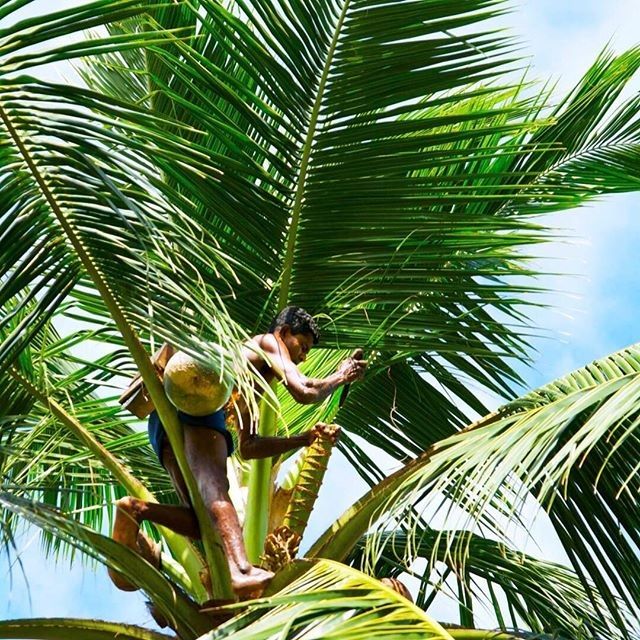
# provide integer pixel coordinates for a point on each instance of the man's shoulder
(257, 342)
(267, 342)
(274, 354)
(264, 344)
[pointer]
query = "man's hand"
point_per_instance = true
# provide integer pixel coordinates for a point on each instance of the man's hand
(325, 431)
(353, 367)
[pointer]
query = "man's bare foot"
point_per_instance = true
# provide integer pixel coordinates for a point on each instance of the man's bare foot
(125, 531)
(127, 524)
(251, 584)
(149, 550)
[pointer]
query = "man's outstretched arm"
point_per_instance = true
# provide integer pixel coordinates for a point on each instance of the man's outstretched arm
(254, 446)
(306, 390)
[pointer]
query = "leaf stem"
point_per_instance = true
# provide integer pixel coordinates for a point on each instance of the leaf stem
(218, 566)
(257, 514)
(188, 557)
(285, 281)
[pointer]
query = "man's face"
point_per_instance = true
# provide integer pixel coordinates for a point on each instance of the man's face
(298, 344)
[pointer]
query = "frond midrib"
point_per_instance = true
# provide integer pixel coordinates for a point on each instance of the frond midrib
(292, 234)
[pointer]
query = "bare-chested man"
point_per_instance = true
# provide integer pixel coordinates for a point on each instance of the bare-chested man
(207, 444)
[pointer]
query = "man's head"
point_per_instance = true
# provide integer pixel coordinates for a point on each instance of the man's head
(298, 330)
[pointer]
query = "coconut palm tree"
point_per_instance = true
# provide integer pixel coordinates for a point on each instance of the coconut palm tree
(377, 164)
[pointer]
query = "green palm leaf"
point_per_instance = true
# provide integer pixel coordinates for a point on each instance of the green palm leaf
(172, 603)
(80, 459)
(306, 120)
(362, 159)
(449, 139)
(520, 589)
(596, 136)
(72, 194)
(388, 410)
(555, 442)
(322, 138)
(482, 634)
(59, 628)
(331, 600)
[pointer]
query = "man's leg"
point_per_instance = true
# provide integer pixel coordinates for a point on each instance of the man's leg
(130, 512)
(206, 452)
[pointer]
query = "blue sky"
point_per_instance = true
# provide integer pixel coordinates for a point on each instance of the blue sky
(593, 314)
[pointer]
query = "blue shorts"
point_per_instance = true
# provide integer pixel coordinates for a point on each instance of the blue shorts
(215, 421)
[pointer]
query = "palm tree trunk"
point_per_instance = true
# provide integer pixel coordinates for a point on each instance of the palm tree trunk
(259, 494)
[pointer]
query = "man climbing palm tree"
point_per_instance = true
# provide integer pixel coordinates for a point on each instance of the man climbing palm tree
(207, 443)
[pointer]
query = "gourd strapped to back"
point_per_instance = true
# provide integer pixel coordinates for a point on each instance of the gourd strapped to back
(135, 398)
(193, 386)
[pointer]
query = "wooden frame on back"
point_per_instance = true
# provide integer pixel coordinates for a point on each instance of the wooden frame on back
(135, 398)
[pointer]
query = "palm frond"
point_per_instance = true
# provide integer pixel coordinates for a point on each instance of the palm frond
(467, 155)
(54, 628)
(85, 186)
(403, 410)
(331, 600)
(82, 458)
(286, 103)
(77, 182)
(594, 139)
(573, 444)
(520, 589)
(173, 604)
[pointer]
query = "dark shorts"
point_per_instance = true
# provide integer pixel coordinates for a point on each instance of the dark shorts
(215, 421)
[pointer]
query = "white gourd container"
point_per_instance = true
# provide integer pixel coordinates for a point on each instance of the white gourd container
(195, 387)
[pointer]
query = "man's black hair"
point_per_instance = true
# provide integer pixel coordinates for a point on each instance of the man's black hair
(298, 320)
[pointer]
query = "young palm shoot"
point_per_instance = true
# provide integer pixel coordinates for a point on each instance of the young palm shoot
(303, 485)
